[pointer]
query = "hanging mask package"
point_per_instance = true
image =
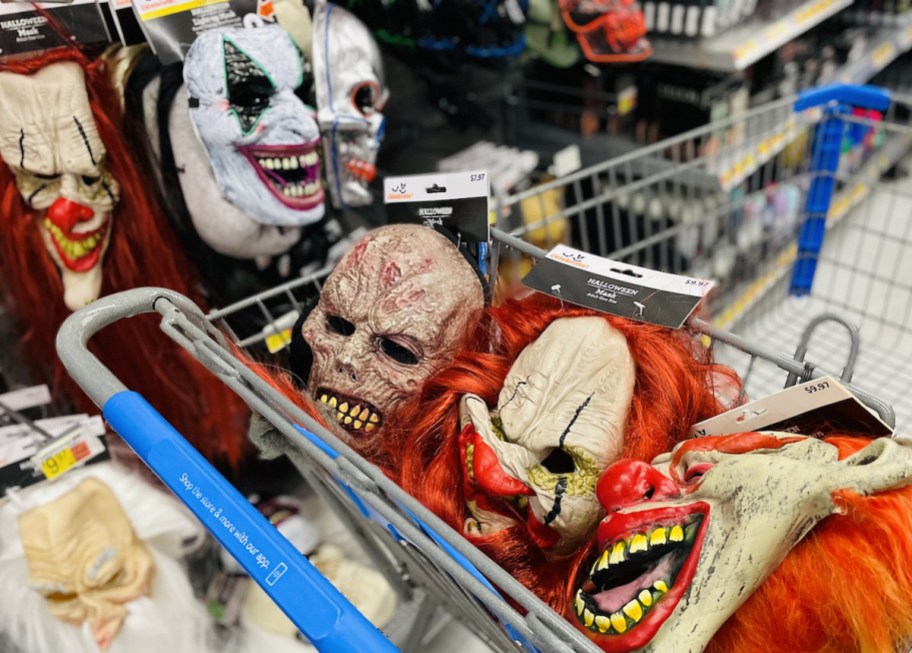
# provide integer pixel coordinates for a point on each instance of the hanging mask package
(455, 203)
(171, 26)
(27, 27)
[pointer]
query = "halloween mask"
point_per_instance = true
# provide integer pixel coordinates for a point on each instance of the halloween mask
(351, 92)
(689, 538)
(558, 424)
(261, 139)
(393, 312)
(49, 140)
(608, 30)
(85, 558)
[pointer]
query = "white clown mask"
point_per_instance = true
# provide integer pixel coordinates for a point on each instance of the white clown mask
(351, 92)
(690, 537)
(50, 141)
(262, 140)
(559, 423)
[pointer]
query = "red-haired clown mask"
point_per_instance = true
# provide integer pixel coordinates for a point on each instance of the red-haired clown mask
(393, 312)
(690, 537)
(559, 422)
(49, 140)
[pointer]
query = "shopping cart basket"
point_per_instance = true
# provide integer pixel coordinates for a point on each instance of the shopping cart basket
(429, 564)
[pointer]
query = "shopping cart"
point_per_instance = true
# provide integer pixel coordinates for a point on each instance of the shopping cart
(612, 210)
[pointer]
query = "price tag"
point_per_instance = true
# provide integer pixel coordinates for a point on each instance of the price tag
(66, 452)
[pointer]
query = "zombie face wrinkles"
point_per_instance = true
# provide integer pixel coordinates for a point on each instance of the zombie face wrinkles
(49, 140)
(85, 559)
(559, 423)
(262, 141)
(351, 92)
(690, 537)
(392, 313)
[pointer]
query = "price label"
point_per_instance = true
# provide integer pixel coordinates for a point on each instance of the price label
(56, 464)
(67, 452)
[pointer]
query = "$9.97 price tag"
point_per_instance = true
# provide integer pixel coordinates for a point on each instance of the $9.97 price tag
(64, 454)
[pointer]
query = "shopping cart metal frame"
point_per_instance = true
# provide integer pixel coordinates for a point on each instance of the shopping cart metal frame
(425, 560)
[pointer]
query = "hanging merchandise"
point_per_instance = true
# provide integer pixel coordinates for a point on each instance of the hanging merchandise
(92, 562)
(547, 36)
(608, 31)
(509, 440)
(678, 533)
(350, 92)
(391, 314)
(79, 220)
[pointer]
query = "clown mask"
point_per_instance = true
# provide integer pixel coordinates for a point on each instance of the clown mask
(85, 559)
(49, 140)
(559, 423)
(348, 76)
(392, 313)
(261, 139)
(690, 537)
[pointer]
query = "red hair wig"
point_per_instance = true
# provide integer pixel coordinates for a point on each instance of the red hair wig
(845, 587)
(143, 252)
(673, 390)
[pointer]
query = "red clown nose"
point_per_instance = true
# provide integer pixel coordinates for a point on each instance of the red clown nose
(66, 213)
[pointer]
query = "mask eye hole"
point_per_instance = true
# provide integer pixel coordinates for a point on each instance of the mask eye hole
(695, 471)
(364, 97)
(90, 181)
(340, 325)
(399, 353)
(559, 461)
(52, 177)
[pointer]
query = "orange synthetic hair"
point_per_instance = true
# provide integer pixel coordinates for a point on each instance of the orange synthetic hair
(143, 252)
(844, 588)
(673, 390)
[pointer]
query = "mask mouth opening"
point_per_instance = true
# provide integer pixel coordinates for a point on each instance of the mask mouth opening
(79, 251)
(635, 581)
(290, 172)
(354, 415)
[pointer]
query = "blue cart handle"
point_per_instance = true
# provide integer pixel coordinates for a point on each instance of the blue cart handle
(314, 605)
(854, 95)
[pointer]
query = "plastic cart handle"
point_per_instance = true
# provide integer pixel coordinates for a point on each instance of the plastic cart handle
(319, 610)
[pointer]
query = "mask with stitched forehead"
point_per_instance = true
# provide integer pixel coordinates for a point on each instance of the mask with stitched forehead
(351, 92)
(392, 313)
(559, 422)
(690, 537)
(261, 139)
(49, 140)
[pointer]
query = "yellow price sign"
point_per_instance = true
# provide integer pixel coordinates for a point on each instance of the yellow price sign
(883, 54)
(57, 463)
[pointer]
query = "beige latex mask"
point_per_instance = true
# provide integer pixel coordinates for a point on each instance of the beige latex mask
(49, 140)
(393, 312)
(690, 537)
(85, 558)
(559, 422)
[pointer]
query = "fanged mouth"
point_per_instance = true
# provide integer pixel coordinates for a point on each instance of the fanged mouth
(291, 172)
(354, 415)
(640, 576)
(80, 252)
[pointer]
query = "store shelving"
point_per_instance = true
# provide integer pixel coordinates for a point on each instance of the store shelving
(739, 47)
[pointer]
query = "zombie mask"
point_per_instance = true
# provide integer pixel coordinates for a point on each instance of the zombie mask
(85, 558)
(608, 30)
(391, 314)
(689, 538)
(261, 139)
(49, 140)
(351, 92)
(559, 423)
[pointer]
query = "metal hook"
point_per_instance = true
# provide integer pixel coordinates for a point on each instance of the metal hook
(801, 351)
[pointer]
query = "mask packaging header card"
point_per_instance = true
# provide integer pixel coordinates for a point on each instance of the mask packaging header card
(617, 288)
(816, 408)
(171, 26)
(454, 201)
(24, 29)
(126, 23)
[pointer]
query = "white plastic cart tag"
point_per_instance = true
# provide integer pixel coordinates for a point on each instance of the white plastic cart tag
(456, 201)
(278, 333)
(617, 288)
(815, 408)
(25, 398)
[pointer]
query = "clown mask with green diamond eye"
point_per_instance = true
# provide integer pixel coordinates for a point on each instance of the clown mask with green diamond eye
(261, 139)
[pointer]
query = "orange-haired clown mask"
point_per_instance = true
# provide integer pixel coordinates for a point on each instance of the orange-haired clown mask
(690, 537)
(559, 422)
(49, 140)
